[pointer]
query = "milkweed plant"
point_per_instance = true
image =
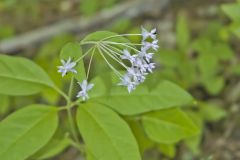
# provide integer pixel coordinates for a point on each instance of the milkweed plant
(113, 116)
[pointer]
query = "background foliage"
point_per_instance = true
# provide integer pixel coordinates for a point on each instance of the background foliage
(199, 53)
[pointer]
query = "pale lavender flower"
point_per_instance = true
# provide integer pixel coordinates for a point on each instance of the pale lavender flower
(67, 66)
(138, 62)
(148, 56)
(148, 45)
(139, 76)
(146, 34)
(127, 81)
(144, 54)
(150, 67)
(128, 56)
(85, 88)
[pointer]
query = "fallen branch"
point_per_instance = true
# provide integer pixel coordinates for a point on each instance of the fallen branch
(80, 25)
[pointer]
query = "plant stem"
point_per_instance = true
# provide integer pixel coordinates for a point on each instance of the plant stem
(61, 93)
(90, 62)
(72, 126)
(123, 44)
(69, 112)
(70, 90)
(114, 69)
(83, 55)
(114, 58)
(121, 35)
(79, 146)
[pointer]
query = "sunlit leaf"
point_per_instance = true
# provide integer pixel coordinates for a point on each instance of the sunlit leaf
(20, 76)
(164, 95)
(212, 112)
(106, 135)
(168, 149)
(144, 142)
(232, 10)
(4, 104)
(194, 142)
(54, 147)
(25, 131)
(169, 126)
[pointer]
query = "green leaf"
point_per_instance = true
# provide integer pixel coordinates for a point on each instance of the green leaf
(25, 131)
(106, 135)
(73, 50)
(235, 28)
(208, 66)
(90, 155)
(202, 45)
(232, 10)
(4, 104)
(169, 126)
(183, 35)
(144, 142)
(223, 51)
(214, 85)
(164, 95)
(212, 112)
(20, 76)
(194, 142)
(168, 149)
(52, 148)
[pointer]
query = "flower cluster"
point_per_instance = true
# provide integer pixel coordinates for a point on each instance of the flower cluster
(141, 63)
(137, 55)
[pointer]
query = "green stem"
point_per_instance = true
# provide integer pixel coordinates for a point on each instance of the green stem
(114, 69)
(72, 126)
(70, 105)
(121, 35)
(114, 58)
(69, 112)
(83, 55)
(70, 90)
(90, 62)
(61, 93)
(79, 146)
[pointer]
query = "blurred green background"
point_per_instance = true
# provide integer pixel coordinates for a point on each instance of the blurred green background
(200, 51)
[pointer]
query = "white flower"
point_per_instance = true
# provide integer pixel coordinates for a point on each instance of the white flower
(131, 71)
(138, 62)
(148, 45)
(144, 54)
(139, 76)
(150, 67)
(85, 88)
(146, 34)
(126, 81)
(128, 56)
(67, 66)
(148, 56)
